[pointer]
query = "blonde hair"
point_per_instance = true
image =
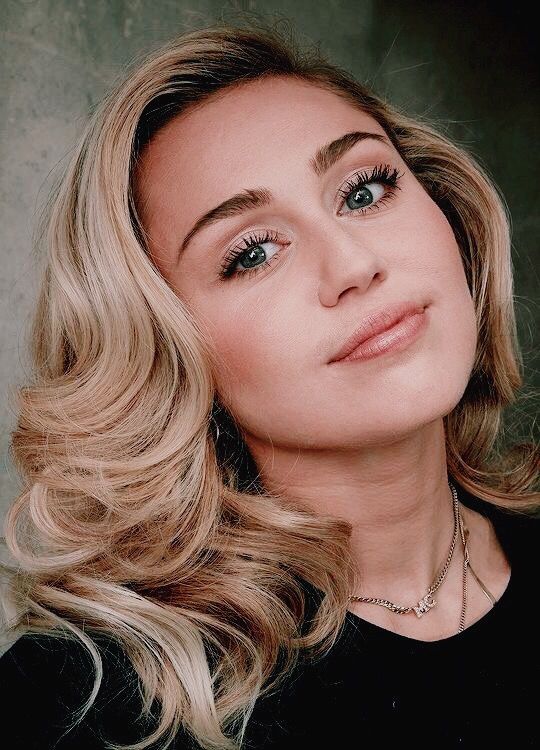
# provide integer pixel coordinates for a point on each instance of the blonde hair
(133, 521)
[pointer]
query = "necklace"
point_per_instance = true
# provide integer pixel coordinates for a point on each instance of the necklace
(428, 602)
(464, 583)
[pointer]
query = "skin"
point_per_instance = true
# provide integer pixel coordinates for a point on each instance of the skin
(363, 441)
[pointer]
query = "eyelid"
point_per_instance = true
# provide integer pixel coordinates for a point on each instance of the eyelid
(380, 173)
(338, 199)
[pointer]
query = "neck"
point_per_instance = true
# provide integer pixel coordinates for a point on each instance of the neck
(400, 560)
(396, 497)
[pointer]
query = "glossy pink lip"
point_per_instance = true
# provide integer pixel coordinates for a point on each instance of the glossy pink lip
(396, 338)
(398, 322)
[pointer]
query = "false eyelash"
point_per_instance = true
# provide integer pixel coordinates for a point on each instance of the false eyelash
(382, 173)
(253, 240)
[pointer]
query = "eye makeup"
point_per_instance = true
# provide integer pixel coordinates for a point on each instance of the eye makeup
(361, 185)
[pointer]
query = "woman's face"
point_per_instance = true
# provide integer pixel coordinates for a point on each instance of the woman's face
(316, 258)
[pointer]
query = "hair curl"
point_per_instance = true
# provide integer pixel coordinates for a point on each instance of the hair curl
(133, 520)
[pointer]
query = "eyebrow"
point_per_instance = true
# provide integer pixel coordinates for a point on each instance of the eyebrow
(249, 199)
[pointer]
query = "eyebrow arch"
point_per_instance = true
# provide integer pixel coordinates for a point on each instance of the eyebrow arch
(250, 199)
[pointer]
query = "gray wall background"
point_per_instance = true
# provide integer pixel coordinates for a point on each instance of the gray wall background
(469, 66)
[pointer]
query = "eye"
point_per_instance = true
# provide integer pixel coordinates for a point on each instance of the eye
(362, 193)
(365, 192)
(250, 255)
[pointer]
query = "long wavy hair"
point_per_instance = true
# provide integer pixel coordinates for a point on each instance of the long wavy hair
(135, 520)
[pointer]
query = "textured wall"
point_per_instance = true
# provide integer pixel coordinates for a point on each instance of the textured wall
(469, 66)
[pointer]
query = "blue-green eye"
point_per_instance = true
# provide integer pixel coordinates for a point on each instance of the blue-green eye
(364, 189)
(365, 196)
(362, 193)
(249, 255)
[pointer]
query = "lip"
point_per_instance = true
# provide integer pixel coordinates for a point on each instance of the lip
(385, 320)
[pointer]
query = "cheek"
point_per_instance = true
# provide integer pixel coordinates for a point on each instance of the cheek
(432, 255)
(248, 342)
(251, 341)
(454, 319)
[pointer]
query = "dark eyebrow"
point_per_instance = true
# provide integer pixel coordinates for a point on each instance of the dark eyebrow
(249, 199)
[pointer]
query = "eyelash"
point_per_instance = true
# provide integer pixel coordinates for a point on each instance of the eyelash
(381, 173)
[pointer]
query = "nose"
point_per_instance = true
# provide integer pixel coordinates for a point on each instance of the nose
(346, 262)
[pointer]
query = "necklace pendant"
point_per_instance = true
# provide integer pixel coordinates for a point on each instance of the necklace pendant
(424, 605)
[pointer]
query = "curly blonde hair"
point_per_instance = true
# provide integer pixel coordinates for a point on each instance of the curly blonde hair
(133, 522)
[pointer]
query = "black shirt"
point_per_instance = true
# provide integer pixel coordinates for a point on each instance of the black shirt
(375, 688)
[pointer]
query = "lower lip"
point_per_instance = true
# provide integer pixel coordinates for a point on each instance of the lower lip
(394, 339)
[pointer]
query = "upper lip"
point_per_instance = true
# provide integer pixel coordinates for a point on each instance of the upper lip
(376, 322)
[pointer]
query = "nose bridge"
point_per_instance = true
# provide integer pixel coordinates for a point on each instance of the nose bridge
(344, 257)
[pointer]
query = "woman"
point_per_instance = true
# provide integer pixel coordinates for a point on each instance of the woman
(274, 341)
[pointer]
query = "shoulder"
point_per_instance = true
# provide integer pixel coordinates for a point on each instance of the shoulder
(517, 526)
(517, 531)
(38, 658)
(45, 680)
(519, 534)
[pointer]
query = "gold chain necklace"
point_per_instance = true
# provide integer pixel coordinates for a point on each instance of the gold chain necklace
(428, 602)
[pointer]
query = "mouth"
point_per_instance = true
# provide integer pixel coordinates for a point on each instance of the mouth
(390, 328)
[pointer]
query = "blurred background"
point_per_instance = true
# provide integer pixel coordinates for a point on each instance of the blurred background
(470, 67)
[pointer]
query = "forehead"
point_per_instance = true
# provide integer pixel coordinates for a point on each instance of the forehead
(249, 135)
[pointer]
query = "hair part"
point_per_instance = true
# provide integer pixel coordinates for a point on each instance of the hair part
(134, 522)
